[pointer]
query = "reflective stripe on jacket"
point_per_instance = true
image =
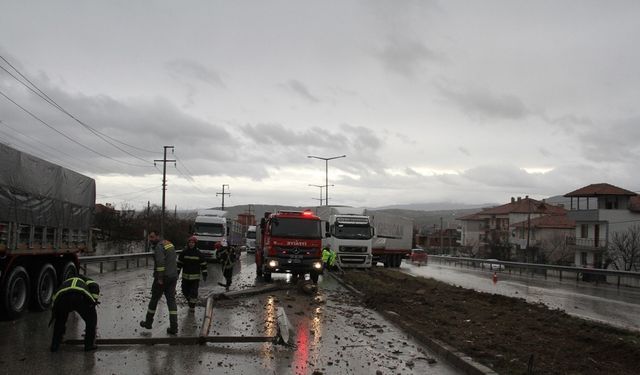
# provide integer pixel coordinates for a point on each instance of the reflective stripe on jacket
(192, 263)
(164, 255)
(76, 285)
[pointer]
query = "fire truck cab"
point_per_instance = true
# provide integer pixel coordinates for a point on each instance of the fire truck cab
(289, 242)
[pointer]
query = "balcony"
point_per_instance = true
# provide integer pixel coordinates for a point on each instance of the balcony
(584, 215)
(590, 243)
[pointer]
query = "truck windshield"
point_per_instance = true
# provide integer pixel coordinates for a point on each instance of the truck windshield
(204, 229)
(295, 228)
(251, 234)
(352, 232)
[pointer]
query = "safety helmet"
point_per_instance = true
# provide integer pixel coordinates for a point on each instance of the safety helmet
(193, 238)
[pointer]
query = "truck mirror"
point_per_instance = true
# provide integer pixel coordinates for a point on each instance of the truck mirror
(373, 231)
(327, 235)
(326, 226)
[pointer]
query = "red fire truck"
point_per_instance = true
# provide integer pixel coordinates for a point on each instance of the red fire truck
(289, 242)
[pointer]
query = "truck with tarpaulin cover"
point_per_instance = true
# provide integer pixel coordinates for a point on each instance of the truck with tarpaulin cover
(46, 213)
(393, 237)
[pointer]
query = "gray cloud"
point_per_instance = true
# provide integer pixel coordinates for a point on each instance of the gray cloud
(301, 90)
(464, 151)
(614, 143)
(484, 103)
(183, 68)
(406, 56)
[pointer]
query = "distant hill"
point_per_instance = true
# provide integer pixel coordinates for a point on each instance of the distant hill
(435, 206)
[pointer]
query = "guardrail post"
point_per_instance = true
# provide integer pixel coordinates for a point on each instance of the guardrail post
(127, 263)
(101, 267)
(147, 259)
(115, 265)
(137, 262)
(560, 275)
(618, 281)
(545, 274)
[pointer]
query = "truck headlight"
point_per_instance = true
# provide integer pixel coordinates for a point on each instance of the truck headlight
(273, 263)
(317, 265)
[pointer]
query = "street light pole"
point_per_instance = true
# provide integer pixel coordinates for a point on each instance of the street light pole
(321, 187)
(326, 173)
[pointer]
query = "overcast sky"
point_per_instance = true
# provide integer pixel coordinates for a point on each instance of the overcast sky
(460, 101)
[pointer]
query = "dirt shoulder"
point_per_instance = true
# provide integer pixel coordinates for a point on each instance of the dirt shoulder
(497, 331)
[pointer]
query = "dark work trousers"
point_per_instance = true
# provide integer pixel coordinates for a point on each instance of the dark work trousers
(190, 291)
(168, 288)
(227, 273)
(63, 306)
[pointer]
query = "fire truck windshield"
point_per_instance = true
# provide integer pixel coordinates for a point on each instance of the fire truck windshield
(295, 228)
(352, 231)
(204, 229)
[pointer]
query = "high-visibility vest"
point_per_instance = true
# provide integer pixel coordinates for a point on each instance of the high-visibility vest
(77, 285)
(326, 255)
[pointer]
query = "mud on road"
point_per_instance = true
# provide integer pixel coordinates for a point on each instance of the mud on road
(500, 332)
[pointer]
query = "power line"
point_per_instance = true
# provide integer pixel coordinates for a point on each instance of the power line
(53, 103)
(129, 193)
(65, 135)
(31, 148)
(190, 179)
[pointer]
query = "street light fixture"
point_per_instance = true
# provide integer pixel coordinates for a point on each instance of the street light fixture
(326, 173)
(321, 187)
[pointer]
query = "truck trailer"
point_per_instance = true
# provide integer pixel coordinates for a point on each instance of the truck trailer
(350, 235)
(46, 213)
(289, 242)
(393, 238)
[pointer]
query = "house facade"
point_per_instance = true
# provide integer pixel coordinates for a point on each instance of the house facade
(601, 212)
(489, 232)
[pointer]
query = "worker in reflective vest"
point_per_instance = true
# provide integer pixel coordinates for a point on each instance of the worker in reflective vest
(328, 257)
(227, 257)
(79, 294)
(165, 278)
(193, 266)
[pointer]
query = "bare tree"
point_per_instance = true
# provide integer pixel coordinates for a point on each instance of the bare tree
(556, 251)
(624, 249)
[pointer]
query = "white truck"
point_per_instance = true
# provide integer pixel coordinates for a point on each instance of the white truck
(349, 233)
(393, 238)
(250, 239)
(211, 227)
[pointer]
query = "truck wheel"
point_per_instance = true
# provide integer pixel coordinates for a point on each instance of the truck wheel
(15, 294)
(266, 276)
(314, 277)
(68, 271)
(397, 261)
(388, 259)
(43, 288)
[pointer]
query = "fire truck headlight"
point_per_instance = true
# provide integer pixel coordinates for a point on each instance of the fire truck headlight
(273, 263)
(317, 265)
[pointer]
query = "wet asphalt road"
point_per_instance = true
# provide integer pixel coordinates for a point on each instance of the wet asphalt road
(333, 334)
(604, 303)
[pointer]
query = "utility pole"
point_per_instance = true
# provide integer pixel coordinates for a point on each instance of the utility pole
(441, 237)
(526, 255)
(321, 187)
(164, 184)
(326, 173)
(223, 194)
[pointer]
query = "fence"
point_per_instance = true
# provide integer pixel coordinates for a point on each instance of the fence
(626, 278)
(114, 260)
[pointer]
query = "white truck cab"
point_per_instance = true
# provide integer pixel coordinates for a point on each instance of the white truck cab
(350, 235)
(251, 239)
(211, 227)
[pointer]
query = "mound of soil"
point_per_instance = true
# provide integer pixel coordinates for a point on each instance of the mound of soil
(501, 332)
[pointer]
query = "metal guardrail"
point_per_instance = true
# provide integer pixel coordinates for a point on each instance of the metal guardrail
(510, 266)
(102, 259)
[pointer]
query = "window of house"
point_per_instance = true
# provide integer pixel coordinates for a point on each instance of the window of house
(583, 258)
(584, 231)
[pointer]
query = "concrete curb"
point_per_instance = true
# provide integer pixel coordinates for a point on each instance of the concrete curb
(455, 357)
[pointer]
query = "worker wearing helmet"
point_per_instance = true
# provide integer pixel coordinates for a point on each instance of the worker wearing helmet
(328, 257)
(79, 294)
(193, 266)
